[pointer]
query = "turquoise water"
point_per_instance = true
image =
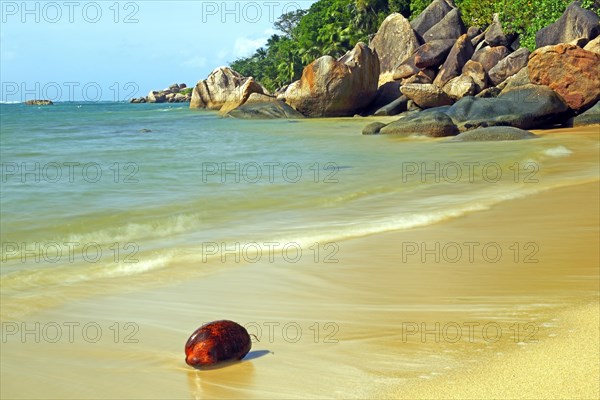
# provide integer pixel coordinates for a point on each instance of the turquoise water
(92, 192)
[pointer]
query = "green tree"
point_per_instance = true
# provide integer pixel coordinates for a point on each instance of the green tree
(289, 21)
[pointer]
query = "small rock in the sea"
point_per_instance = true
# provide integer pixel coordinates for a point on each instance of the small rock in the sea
(217, 342)
(145, 130)
(39, 102)
(494, 133)
(373, 128)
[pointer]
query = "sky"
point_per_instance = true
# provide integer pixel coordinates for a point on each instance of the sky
(115, 50)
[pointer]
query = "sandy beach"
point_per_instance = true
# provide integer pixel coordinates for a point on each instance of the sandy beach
(386, 320)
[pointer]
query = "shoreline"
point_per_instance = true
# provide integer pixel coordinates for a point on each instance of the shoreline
(364, 303)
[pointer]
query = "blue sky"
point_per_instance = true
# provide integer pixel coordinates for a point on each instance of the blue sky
(111, 50)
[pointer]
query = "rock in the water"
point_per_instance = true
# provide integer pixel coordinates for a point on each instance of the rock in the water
(394, 108)
(260, 106)
(475, 71)
(593, 45)
(39, 102)
(490, 56)
(590, 117)
(432, 15)
(450, 27)
(509, 66)
(223, 85)
(495, 35)
(394, 42)
(459, 55)
(570, 71)
(156, 97)
(459, 87)
(433, 53)
(525, 107)
(426, 95)
(373, 128)
(575, 23)
(494, 133)
(335, 88)
(431, 124)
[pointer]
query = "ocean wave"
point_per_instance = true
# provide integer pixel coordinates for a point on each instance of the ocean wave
(75, 273)
(351, 230)
(158, 228)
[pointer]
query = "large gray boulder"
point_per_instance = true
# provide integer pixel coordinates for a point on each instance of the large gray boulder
(336, 88)
(394, 42)
(223, 85)
(495, 35)
(260, 106)
(525, 107)
(509, 66)
(575, 23)
(450, 27)
(432, 15)
(431, 124)
(433, 53)
(494, 133)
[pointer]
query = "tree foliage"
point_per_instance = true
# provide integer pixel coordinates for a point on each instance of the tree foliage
(328, 27)
(334, 26)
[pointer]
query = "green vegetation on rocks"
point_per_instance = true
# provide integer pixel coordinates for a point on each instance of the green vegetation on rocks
(332, 27)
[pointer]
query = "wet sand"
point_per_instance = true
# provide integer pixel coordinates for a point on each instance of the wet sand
(352, 329)
(563, 365)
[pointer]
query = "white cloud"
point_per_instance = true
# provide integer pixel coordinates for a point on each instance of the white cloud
(244, 47)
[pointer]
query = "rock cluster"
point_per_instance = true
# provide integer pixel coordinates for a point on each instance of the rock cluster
(469, 78)
(488, 80)
(173, 94)
(39, 103)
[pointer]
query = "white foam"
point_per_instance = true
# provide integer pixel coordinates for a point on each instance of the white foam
(558, 151)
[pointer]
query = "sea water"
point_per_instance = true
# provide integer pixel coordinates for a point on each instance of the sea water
(97, 191)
